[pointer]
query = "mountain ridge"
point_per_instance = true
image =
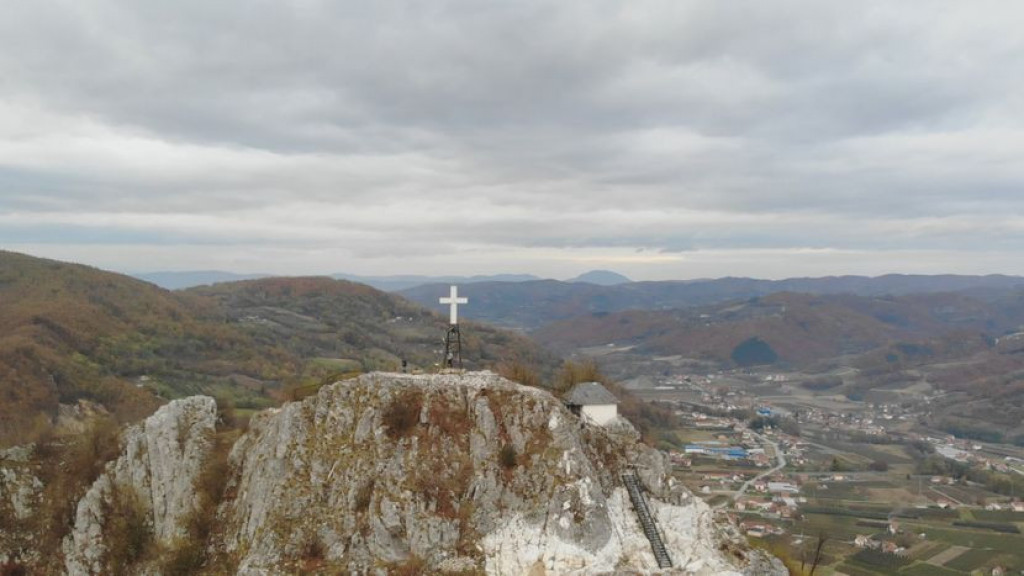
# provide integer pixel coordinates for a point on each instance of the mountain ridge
(530, 305)
(183, 280)
(601, 278)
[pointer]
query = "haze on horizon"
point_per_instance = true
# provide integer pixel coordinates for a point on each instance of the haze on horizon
(663, 139)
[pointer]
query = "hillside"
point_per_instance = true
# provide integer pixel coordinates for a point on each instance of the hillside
(530, 305)
(77, 333)
(969, 351)
(68, 335)
(344, 324)
(800, 328)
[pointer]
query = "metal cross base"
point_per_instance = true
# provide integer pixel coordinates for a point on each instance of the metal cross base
(452, 349)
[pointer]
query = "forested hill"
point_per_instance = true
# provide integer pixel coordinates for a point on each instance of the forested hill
(800, 329)
(353, 326)
(71, 332)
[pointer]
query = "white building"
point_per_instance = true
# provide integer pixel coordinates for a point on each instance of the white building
(593, 403)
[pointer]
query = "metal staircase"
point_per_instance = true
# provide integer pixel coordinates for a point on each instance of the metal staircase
(643, 512)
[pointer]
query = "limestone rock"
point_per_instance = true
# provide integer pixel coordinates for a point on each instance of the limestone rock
(432, 474)
(20, 493)
(450, 473)
(161, 459)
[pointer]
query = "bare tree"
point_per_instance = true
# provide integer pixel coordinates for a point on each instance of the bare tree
(822, 538)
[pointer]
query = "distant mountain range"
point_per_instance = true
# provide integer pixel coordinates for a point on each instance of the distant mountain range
(532, 304)
(190, 279)
(180, 280)
(601, 278)
(398, 283)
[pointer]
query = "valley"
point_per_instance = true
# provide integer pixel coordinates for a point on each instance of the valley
(892, 481)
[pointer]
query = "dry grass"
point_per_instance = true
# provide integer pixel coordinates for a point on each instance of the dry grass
(191, 553)
(572, 373)
(68, 467)
(450, 418)
(414, 566)
(519, 372)
(127, 528)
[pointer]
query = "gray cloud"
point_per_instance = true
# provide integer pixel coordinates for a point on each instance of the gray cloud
(652, 136)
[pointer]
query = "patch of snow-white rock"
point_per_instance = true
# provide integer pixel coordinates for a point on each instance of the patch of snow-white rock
(520, 547)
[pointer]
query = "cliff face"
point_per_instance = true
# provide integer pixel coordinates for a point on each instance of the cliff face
(388, 473)
(150, 483)
(450, 472)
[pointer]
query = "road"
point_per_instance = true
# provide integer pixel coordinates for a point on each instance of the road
(780, 457)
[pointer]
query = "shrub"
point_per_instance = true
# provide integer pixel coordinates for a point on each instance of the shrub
(403, 414)
(126, 525)
(186, 559)
(364, 496)
(313, 554)
(518, 372)
(68, 467)
(573, 373)
(507, 457)
(190, 553)
(226, 417)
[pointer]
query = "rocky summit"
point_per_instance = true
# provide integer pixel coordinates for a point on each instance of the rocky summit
(396, 474)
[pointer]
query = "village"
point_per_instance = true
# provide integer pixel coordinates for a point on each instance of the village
(888, 497)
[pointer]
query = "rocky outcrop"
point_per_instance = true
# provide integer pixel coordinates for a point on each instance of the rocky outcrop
(20, 492)
(383, 474)
(153, 479)
(450, 473)
(19, 485)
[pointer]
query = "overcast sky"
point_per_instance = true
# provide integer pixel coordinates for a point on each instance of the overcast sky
(662, 139)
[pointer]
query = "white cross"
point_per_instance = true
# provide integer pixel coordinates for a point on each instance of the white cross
(454, 300)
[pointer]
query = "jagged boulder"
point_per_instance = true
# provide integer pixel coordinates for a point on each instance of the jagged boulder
(463, 473)
(147, 492)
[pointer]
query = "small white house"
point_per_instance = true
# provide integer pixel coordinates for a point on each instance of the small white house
(593, 403)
